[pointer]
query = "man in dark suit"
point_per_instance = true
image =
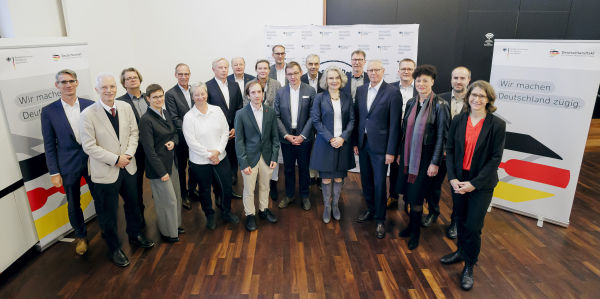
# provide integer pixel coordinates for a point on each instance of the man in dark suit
(257, 146)
(378, 108)
(312, 76)
(292, 106)
(109, 135)
(460, 78)
(406, 86)
(238, 66)
(357, 77)
(131, 79)
(179, 101)
(65, 158)
(278, 68)
(229, 98)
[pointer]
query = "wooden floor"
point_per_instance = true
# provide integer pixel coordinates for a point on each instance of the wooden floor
(301, 257)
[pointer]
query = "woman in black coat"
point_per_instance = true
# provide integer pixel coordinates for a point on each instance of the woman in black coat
(158, 138)
(473, 153)
(424, 127)
(333, 118)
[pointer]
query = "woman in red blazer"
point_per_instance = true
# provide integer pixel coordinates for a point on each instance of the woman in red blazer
(473, 153)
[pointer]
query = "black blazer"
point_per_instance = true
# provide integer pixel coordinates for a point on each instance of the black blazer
(348, 88)
(304, 79)
(436, 128)
(284, 114)
(127, 99)
(177, 107)
(250, 144)
(154, 133)
(447, 96)
(487, 155)
(215, 97)
(247, 78)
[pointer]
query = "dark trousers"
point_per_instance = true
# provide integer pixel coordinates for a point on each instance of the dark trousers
(470, 209)
(71, 183)
(140, 161)
(394, 190)
(291, 155)
(182, 153)
(435, 189)
(232, 157)
(219, 175)
(373, 179)
(107, 202)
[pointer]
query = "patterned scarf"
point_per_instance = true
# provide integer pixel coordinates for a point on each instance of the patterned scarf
(413, 142)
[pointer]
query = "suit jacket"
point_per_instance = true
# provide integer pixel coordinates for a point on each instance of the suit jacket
(101, 143)
(284, 113)
(348, 89)
(272, 86)
(64, 155)
(127, 99)
(247, 78)
(273, 74)
(436, 128)
(154, 133)
(250, 144)
(487, 155)
(383, 121)
(177, 106)
(215, 97)
(322, 115)
(304, 79)
(447, 96)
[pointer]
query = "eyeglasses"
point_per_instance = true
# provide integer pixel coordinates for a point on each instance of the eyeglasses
(374, 70)
(293, 74)
(64, 82)
(481, 96)
(279, 54)
(407, 69)
(357, 59)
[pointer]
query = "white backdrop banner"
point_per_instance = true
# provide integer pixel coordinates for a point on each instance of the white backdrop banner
(27, 73)
(546, 91)
(334, 44)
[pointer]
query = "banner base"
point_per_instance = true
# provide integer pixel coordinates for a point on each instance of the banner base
(539, 218)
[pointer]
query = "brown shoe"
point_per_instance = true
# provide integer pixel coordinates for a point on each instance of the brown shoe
(392, 201)
(81, 246)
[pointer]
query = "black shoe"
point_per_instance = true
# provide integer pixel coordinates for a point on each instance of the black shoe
(466, 278)
(273, 190)
(180, 230)
(210, 222)
(380, 231)
(186, 203)
(306, 203)
(251, 223)
(230, 217)
(119, 258)
(313, 181)
(452, 231)
(169, 239)
(365, 216)
(235, 195)
(430, 219)
(268, 215)
(141, 241)
(451, 258)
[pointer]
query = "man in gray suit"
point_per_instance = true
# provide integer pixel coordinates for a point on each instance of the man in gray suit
(109, 135)
(257, 148)
(292, 106)
(278, 69)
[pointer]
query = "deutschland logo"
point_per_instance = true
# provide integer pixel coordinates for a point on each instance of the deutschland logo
(554, 53)
(56, 57)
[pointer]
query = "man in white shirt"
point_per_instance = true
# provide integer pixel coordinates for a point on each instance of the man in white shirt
(238, 67)
(312, 76)
(278, 69)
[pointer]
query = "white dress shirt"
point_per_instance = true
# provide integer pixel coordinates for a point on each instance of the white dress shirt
(240, 82)
(371, 93)
(73, 113)
(281, 75)
(205, 132)
(456, 105)
(107, 108)
(294, 103)
(337, 117)
(224, 90)
(314, 83)
(407, 93)
(258, 115)
(187, 95)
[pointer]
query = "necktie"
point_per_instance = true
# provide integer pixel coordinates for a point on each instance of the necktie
(113, 111)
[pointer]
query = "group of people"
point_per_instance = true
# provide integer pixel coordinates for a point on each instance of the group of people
(317, 122)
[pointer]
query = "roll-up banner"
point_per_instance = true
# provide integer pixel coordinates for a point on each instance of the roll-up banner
(546, 91)
(27, 75)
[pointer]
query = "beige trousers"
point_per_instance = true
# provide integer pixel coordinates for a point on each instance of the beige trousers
(261, 173)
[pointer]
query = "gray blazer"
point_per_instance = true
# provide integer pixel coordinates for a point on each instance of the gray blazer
(100, 142)
(272, 86)
(284, 113)
(273, 74)
(250, 144)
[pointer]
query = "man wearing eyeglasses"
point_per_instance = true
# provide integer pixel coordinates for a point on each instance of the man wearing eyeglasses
(278, 69)
(378, 108)
(65, 158)
(357, 77)
(131, 79)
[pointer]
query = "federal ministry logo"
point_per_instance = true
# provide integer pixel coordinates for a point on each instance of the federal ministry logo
(554, 53)
(489, 42)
